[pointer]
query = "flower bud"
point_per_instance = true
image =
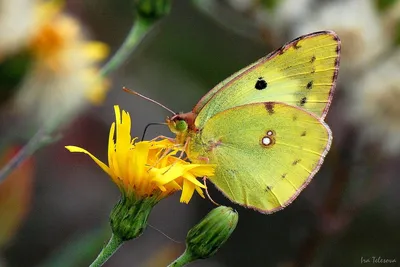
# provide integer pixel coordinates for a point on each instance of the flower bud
(205, 238)
(152, 9)
(129, 216)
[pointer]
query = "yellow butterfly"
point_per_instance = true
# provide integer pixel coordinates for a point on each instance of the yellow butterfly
(264, 126)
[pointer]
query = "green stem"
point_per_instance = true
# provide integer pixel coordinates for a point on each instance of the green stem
(33, 145)
(135, 35)
(184, 259)
(113, 245)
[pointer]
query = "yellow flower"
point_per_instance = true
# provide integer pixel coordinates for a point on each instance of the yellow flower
(148, 168)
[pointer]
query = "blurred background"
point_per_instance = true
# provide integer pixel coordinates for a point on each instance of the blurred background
(54, 208)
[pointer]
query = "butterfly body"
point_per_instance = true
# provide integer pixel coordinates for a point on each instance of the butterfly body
(264, 126)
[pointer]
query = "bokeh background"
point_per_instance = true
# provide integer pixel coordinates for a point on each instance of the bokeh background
(54, 209)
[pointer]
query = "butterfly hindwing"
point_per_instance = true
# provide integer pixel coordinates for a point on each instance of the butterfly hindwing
(301, 73)
(265, 153)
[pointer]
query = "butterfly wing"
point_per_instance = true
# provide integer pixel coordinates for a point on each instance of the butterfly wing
(266, 153)
(303, 73)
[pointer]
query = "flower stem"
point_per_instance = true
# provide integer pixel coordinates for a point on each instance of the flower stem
(113, 245)
(184, 259)
(37, 141)
(139, 29)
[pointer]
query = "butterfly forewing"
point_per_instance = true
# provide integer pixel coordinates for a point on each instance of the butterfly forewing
(301, 73)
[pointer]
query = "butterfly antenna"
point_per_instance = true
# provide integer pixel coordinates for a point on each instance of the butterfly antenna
(147, 98)
(164, 234)
(151, 124)
(208, 195)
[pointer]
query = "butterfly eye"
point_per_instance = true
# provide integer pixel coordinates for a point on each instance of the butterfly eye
(181, 126)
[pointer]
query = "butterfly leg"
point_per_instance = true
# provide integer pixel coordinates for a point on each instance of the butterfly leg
(184, 147)
(181, 154)
(208, 195)
(163, 137)
(205, 159)
(165, 153)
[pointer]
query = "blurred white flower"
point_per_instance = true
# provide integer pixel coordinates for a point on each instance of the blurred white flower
(286, 14)
(16, 25)
(274, 18)
(63, 75)
(374, 104)
(358, 25)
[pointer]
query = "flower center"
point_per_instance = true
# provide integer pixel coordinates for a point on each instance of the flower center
(47, 42)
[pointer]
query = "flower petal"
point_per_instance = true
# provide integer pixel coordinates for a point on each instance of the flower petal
(163, 143)
(96, 50)
(99, 162)
(111, 145)
(200, 192)
(122, 140)
(187, 191)
(200, 170)
(167, 174)
(138, 163)
(191, 178)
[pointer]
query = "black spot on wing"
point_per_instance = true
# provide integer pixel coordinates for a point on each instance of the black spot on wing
(261, 84)
(303, 133)
(337, 60)
(303, 101)
(336, 72)
(281, 50)
(309, 85)
(283, 176)
(336, 38)
(313, 58)
(296, 45)
(296, 161)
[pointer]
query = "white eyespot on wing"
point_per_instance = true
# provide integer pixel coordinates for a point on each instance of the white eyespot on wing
(266, 141)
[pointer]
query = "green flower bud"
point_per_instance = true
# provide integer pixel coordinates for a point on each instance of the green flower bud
(129, 216)
(205, 238)
(152, 9)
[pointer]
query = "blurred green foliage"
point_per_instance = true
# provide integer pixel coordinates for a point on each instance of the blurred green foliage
(384, 4)
(12, 71)
(269, 4)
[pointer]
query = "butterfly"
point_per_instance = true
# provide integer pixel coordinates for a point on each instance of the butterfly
(264, 126)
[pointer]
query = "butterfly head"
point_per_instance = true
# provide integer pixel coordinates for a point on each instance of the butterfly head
(177, 125)
(181, 124)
